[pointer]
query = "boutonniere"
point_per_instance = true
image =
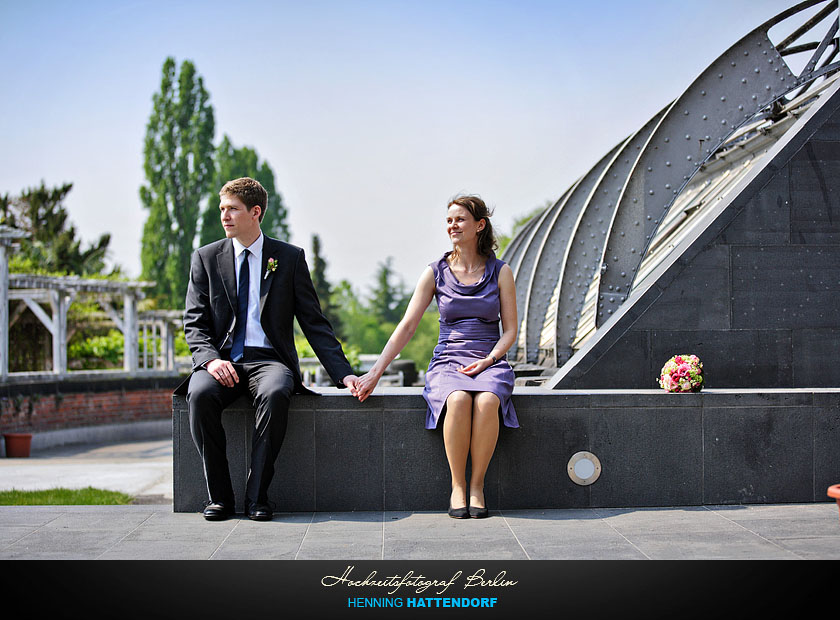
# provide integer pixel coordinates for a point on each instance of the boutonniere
(270, 267)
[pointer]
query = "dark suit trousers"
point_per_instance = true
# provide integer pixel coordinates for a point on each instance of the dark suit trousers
(270, 384)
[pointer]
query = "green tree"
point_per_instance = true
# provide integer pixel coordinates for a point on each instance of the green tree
(362, 329)
(422, 344)
(232, 163)
(323, 288)
(52, 246)
(366, 333)
(388, 301)
(6, 213)
(178, 163)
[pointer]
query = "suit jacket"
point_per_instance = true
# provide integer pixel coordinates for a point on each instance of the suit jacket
(285, 293)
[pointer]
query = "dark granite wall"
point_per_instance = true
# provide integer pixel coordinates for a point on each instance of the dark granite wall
(655, 449)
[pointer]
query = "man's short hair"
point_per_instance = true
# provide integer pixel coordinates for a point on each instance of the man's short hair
(249, 191)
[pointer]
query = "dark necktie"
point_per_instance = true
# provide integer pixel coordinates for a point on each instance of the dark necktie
(241, 310)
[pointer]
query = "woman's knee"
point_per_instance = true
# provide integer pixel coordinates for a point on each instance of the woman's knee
(459, 400)
(486, 401)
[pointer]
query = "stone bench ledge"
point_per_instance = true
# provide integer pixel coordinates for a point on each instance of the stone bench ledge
(720, 446)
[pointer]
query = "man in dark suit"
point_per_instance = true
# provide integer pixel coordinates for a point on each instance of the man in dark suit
(243, 295)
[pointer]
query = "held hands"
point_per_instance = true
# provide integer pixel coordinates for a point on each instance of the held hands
(367, 382)
(352, 382)
(365, 385)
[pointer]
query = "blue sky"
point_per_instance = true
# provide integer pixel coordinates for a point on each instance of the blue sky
(372, 114)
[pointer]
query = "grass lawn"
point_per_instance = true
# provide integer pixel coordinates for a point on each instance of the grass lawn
(63, 497)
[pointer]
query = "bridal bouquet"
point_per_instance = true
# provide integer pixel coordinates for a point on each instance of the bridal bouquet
(682, 373)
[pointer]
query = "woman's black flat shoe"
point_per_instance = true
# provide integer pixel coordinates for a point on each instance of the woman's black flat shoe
(458, 513)
(478, 513)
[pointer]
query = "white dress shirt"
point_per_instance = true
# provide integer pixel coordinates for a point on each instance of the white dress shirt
(254, 334)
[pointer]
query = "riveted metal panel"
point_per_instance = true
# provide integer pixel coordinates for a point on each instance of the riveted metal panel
(745, 79)
(516, 250)
(546, 266)
(582, 258)
(513, 256)
(524, 266)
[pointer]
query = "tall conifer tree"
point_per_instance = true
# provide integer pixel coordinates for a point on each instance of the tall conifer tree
(323, 288)
(178, 163)
(232, 163)
(388, 301)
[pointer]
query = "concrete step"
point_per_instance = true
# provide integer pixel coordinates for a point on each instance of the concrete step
(523, 369)
(530, 381)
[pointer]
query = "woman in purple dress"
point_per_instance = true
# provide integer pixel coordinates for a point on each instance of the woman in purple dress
(468, 382)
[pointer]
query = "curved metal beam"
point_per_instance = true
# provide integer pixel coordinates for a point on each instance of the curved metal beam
(550, 251)
(584, 252)
(513, 252)
(525, 258)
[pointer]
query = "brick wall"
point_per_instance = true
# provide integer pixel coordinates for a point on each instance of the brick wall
(40, 410)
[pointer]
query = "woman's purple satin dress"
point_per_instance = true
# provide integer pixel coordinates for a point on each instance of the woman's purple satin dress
(469, 329)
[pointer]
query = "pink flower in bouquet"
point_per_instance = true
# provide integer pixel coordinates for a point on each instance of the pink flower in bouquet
(682, 373)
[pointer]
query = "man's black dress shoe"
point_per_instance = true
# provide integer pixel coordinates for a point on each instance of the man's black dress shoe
(260, 512)
(218, 511)
(458, 513)
(478, 513)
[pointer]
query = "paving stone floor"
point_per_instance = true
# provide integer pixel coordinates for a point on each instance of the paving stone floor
(151, 530)
(771, 532)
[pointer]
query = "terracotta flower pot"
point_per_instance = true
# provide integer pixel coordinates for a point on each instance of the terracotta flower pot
(834, 491)
(17, 444)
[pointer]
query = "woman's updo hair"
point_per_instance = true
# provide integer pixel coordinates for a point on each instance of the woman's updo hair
(475, 205)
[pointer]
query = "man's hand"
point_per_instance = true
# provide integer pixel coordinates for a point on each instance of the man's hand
(366, 384)
(223, 372)
(350, 381)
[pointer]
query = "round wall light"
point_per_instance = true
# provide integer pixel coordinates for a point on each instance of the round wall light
(584, 468)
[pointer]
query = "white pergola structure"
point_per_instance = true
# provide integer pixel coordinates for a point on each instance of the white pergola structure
(8, 236)
(37, 291)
